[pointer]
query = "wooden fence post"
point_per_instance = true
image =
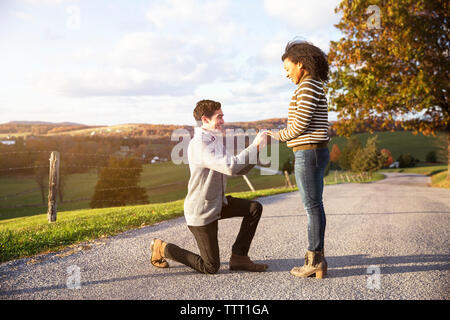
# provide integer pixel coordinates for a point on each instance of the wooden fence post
(53, 183)
(288, 181)
(249, 183)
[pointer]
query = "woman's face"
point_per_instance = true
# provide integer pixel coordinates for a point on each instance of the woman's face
(294, 71)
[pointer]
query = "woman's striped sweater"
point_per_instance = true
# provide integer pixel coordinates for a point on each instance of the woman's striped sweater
(308, 115)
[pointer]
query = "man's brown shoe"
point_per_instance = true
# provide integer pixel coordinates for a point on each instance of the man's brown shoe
(244, 263)
(157, 259)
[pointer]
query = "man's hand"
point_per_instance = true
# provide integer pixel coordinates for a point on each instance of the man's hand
(274, 135)
(260, 140)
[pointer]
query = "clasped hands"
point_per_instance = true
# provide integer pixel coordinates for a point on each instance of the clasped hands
(261, 138)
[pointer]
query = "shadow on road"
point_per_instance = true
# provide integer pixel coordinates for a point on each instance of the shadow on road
(63, 286)
(338, 267)
(357, 265)
(303, 214)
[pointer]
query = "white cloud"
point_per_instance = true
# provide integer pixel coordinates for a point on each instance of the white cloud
(22, 15)
(194, 19)
(272, 51)
(307, 16)
(270, 86)
(184, 51)
(187, 12)
(143, 63)
(160, 62)
(48, 2)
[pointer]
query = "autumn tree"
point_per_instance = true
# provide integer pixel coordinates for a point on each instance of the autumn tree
(391, 65)
(335, 153)
(118, 184)
(369, 158)
(348, 153)
(388, 155)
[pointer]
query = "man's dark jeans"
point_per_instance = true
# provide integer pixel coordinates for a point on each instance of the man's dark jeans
(206, 236)
(309, 173)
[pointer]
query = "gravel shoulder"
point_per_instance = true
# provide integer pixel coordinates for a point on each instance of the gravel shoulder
(384, 240)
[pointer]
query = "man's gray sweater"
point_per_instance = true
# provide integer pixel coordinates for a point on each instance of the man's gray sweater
(210, 164)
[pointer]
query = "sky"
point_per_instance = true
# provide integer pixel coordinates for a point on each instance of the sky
(110, 62)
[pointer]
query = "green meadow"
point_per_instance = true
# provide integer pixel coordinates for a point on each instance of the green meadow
(402, 142)
(24, 231)
(27, 236)
(168, 182)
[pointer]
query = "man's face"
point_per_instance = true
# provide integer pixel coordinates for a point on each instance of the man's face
(215, 122)
(293, 70)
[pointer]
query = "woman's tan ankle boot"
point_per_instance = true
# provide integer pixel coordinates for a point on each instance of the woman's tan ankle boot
(325, 263)
(315, 264)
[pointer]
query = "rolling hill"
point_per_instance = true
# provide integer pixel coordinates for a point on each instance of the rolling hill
(135, 130)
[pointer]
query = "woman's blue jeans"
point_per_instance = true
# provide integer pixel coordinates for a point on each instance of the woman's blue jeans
(309, 173)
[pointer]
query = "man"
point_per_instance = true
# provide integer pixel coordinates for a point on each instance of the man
(205, 203)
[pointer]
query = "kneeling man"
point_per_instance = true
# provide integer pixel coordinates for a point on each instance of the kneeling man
(205, 203)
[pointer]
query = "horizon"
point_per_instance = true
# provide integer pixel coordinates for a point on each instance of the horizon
(68, 123)
(103, 63)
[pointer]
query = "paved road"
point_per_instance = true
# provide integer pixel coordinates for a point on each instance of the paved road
(384, 240)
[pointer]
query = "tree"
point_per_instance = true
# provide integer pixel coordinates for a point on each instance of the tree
(348, 153)
(118, 184)
(288, 165)
(335, 153)
(388, 156)
(431, 157)
(369, 158)
(288, 168)
(392, 66)
(406, 160)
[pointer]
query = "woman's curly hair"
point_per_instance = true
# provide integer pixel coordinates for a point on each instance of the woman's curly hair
(313, 58)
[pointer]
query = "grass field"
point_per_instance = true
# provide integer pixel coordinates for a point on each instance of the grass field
(401, 142)
(168, 182)
(26, 236)
(163, 182)
(440, 180)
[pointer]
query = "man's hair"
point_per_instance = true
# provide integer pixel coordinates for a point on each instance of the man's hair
(206, 108)
(314, 60)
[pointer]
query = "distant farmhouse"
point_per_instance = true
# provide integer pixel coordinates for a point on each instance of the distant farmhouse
(158, 159)
(8, 142)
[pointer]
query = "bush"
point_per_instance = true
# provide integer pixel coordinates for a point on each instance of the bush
(406, 160)
(335, 153)
(369, 158)
(348, 153)
(288, 165)
(118, 184)
(431, 157)
(388, 156)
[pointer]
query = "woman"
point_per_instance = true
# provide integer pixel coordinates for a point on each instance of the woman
(307, 134)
